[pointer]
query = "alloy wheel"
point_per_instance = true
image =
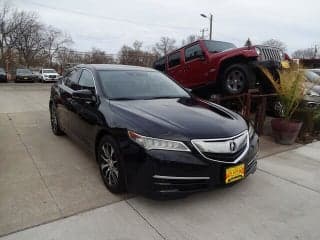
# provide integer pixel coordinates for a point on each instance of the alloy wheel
(235, 81)
(109, 165)
(53, 118)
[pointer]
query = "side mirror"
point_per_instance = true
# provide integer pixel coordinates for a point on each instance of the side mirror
(202, 58)
(84, 95)
(189, 90)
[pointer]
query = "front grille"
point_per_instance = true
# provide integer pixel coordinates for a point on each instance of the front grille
(52, 76)
(224, 150)
(167, 186)
(270, 53)
(225, 157)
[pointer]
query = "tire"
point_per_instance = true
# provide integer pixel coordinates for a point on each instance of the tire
(236, 79)
(55, 126)
(111, 165)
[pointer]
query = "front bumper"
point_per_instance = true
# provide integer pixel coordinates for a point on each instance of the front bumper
(160, 173)
(311, 102)
(25, 79)
(49, 79)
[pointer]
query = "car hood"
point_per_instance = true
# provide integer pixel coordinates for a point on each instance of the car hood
(183, 119)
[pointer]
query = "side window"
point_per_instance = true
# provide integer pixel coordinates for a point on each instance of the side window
(71, 79)
(160, 64)
(193, 52)
(86, 80)
(174, 59)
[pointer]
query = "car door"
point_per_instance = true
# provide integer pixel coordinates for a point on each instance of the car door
(195, 67)
(87, 113)
(175, 67)
(67, 107)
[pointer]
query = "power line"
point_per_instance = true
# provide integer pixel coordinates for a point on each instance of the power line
(109, 18)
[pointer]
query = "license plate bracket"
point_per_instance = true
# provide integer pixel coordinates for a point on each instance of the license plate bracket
(234, 173)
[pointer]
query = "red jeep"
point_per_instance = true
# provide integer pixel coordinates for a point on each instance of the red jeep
(211, 66)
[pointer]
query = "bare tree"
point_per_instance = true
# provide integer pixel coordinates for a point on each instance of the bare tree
(165, 45)
(7, 27)
(54, 40)
(29, 36)
(275, 43)
(137, 45)
(307, 53)
(136, 56)
(190, 39)
(97, 56)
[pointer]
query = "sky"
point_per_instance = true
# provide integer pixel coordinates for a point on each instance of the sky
(109, 24)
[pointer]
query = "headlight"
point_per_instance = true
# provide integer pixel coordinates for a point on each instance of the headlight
(313, 93)
(282, 55)
(251, 130)
(258, 51)
(156, 143)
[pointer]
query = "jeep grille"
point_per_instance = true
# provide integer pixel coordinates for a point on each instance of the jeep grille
(269, 54)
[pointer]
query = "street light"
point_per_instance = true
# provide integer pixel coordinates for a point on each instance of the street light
(210, 19)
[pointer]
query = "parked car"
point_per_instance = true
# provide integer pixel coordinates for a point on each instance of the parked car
(3, 75)
(48, 74)
(316, 70)
(207, 66)
(24, 75)
(148, 134)
(312, 97)
(36, 74)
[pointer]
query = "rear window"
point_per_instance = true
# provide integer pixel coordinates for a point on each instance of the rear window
(160, 64)
(174, 59)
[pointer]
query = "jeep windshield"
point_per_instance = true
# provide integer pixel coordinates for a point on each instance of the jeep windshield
(217, 46)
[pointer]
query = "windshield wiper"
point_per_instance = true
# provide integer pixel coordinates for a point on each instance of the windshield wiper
(164, 97)
(122, 99)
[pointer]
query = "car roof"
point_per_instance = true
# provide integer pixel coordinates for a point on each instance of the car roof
(118, 67)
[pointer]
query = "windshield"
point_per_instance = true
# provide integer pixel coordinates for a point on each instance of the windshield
(23, 71)
(217, 46)
(49, 71)
(2, 70)
(311, 76)
(129, 85)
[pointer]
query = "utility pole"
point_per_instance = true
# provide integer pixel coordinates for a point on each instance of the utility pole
(210, 17)
(211, 26)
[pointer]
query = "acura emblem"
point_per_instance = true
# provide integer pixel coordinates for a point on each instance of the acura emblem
(233, 146)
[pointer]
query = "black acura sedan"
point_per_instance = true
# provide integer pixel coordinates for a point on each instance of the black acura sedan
(148, 134)
(24, 75)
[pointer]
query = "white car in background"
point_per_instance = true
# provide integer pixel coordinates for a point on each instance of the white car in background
(48, 75)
